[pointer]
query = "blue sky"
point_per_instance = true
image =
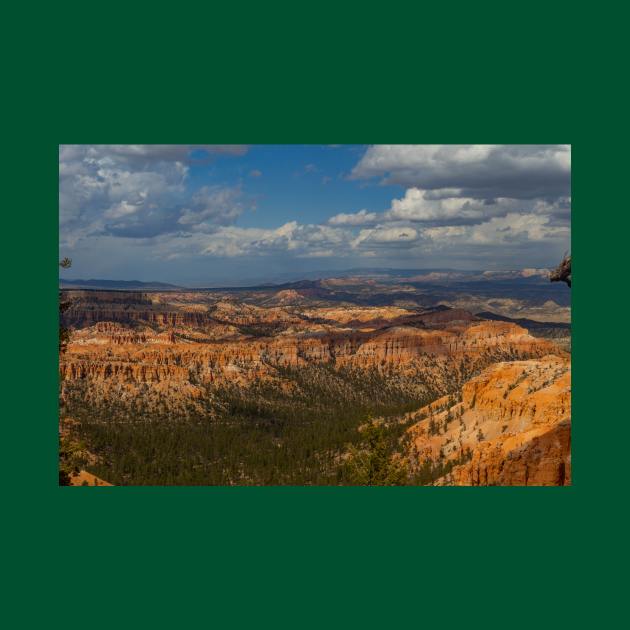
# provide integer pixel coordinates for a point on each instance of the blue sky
(205, 215)
(295, 182)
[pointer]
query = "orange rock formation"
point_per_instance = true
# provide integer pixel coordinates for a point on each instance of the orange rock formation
(508, 423)
(514, 419)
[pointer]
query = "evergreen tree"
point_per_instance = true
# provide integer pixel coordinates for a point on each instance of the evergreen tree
(372, 465)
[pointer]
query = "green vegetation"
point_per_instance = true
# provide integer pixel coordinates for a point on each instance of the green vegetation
(72, 457)
(371, 463)
(308, 426)
(430, 470)
(302, 430)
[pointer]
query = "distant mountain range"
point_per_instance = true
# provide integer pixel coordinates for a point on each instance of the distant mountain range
(524, 322)
(384, 273)
(303, 279)
(116, 284)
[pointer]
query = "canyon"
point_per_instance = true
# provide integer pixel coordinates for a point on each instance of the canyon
(465, 399)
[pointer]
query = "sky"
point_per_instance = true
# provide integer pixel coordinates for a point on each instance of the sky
(216, 215)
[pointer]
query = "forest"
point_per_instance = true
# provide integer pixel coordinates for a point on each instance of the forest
(260, 435)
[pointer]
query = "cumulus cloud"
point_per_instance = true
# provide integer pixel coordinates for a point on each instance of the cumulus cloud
(467, 197)
(415, 206)
(510, 229)
(387, 236)
(301, 240)
(138, 191)
(421, 206)
(363, 217)
(145, 153)
(212, 206)
(461, 202)
(482, 171)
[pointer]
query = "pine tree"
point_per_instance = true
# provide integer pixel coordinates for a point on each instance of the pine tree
(373, 465)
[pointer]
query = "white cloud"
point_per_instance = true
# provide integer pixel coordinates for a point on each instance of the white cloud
(138, 191)
(415, 206)
(212, 206)
(363, 217)
(422, 206)
(499, 231)
(157, 152)
(122, 209)
(483, 171)
(458, 201)
(301, 240)
(385, 236)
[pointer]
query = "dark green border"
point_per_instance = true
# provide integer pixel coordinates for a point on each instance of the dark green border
(319, 557)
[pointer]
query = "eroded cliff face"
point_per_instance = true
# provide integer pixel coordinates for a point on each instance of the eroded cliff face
(108, 351)
(504, 421)
(193, 310)
(511, 427)
(176, 369)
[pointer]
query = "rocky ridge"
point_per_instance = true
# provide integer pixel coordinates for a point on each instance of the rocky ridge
(512, 425)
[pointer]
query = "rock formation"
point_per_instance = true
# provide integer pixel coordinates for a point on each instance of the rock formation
(513, 422)
(505, 418)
